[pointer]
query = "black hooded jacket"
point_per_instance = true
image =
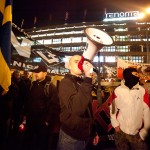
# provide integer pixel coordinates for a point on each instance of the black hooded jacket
(76, 106)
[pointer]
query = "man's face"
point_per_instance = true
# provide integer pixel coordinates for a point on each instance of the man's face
(40, 76)
(73, 65)
(17, 75)
(26, 74)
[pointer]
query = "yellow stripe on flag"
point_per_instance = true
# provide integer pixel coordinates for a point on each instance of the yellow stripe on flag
(7, 14)
(2, 6)
(5, 43)
(5, 74)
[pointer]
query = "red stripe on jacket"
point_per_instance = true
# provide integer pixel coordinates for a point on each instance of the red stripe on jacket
(112, 97)
(146, 98)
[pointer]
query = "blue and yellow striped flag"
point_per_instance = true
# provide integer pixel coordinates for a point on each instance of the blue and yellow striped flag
(5, 43)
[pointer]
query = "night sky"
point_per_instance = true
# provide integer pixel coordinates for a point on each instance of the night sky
(52, 12)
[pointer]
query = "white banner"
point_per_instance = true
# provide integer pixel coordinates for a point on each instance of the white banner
(23, 49)
(142, 68)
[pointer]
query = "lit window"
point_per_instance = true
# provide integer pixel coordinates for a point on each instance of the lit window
(56, 41)
(48, 41)
(76, 40)
(96, 59)
(66, 40)
(121, 29)
(110, 59)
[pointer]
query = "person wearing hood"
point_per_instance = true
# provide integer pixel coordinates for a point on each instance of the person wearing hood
(42, 111)
(130, 113)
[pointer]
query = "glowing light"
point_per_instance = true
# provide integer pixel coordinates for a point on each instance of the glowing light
(148, 10)
(119, 16)
(141, 15)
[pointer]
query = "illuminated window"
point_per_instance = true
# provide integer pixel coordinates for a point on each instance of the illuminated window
(122, 48)
(110, 59)
(75, 48)
(96, 59)
(56, 41)
(125, 57)
(66, 49)
(137, 59)
(122, 38)
(37, 59)
(109, 49)
(77, 32)
(66, 40)
(48, 41)
(84, 39)
(67, 33)
(60, 33)
(57, 48)
(34, 36)
(120, 29)
(40, 41)
(41, 35)
(76, 40)
(50, 34)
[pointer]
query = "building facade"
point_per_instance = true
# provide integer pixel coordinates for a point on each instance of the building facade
(129, 32)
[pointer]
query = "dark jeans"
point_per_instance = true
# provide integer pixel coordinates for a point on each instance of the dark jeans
(124, 141)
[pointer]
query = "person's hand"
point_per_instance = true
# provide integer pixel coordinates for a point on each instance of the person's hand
(24, 119)
(96, 140)
(117, 129)
(88, 69)
(46, 123)
(138, 137)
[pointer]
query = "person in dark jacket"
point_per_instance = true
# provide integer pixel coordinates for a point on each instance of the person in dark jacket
(76, 107)
(20, 96)
(6, 107)
(27, 79)
(42, 111)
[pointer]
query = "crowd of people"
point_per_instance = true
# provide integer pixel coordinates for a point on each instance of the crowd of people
(42, 116)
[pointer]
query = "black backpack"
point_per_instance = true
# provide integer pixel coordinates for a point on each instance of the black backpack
(46, 88)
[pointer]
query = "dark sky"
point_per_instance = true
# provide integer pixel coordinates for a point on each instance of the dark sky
(50, 12)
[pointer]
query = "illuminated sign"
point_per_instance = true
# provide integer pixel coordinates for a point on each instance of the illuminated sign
(119, 16)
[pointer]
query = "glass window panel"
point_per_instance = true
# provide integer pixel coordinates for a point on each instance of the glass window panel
(110, 59)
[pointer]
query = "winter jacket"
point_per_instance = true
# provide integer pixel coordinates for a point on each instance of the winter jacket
(42, 107)
(76, 106)
(132, 110)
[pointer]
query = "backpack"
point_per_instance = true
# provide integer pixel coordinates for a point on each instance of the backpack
(46, 88)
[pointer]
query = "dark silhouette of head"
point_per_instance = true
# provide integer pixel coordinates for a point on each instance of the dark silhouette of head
(130, 79)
